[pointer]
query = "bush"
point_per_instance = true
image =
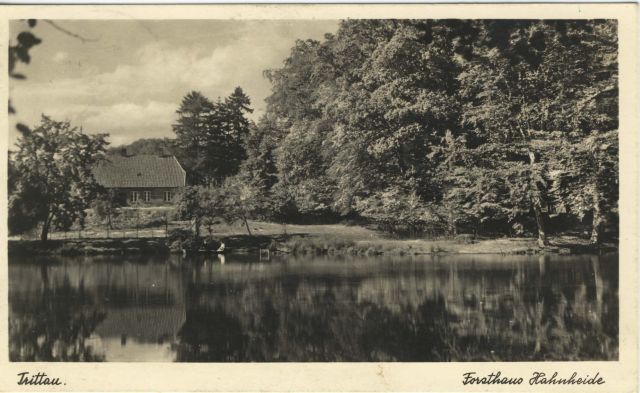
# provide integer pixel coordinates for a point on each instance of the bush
(179, 234)
(325, 244)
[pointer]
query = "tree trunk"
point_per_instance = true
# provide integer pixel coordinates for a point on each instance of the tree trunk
(196, 227)
(451, 222)
(598, 218)
(537, 210)
(542, 235)
(44, 234)
(451, 215)
(246, 224)
(46, 225)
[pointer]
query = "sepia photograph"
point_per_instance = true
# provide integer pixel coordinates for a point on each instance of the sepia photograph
(320, 198)
(340, 190)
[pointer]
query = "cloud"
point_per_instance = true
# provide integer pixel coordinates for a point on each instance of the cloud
(137, 97)
(161, 71)
(59, 57)
(124, 122)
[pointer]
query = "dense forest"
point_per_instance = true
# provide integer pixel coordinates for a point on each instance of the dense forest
(421, 127)
(436, 126)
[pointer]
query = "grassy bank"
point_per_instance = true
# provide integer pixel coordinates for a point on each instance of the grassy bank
(88, 247)
(329, 244)
(358, 240)
(313, 239)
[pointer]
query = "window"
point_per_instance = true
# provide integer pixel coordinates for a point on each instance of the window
(133, 196)
(146, 196)
(167, 196)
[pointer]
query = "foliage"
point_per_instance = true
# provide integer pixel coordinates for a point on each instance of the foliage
(148, 146)
(19, 53)
(199, 204)
(180, 239)
(232, 201)
(239, 201)
(105, 207)
(460, 124)
(210, 135)
(531, 85)
(401, 213)
(586, 179)
(423, 126)
(53, 183)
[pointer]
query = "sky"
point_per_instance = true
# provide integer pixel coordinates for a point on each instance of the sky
(128, 77)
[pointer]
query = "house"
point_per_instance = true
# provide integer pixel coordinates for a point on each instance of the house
(142, 179)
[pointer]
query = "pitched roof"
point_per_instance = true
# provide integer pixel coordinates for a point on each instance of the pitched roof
(140, 171)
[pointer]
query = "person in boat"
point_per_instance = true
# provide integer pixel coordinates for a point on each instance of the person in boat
(221, 248)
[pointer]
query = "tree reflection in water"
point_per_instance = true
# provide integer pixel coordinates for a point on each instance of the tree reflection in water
(450, 308)
(56, 326)
(543, 311)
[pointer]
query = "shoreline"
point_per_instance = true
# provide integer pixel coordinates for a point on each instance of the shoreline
(306, 244)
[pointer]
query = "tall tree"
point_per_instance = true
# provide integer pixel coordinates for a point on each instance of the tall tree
(296, 111)
(526, 85)
(53, 179)
(463, 120)
(585, 179)
(193, 135)
(237, 127)
(210, 136)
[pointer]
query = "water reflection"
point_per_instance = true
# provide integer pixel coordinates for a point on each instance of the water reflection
(233, 309)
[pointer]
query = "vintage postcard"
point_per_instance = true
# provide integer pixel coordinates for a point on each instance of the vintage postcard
(320, 198)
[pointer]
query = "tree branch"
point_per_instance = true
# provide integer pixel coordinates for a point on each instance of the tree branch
(69, 33)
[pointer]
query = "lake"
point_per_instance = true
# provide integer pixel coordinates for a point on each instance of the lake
(237, 308)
